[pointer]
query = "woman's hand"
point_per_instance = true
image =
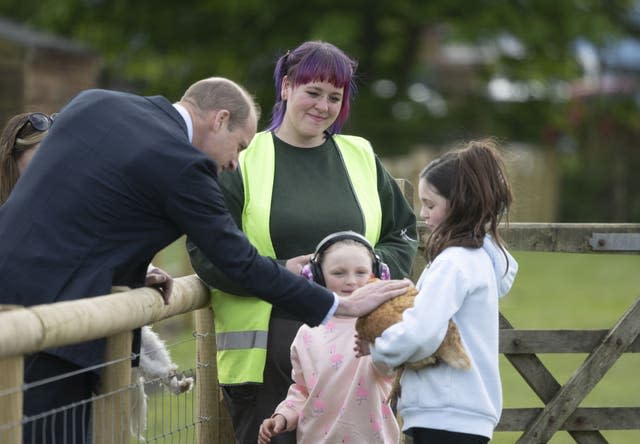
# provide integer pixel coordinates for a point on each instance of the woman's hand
(295, 264)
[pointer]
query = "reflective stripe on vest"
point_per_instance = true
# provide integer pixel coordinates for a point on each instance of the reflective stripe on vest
(244, 321)
(241, 340)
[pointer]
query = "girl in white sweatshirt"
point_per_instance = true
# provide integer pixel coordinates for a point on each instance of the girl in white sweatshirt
(464, 195)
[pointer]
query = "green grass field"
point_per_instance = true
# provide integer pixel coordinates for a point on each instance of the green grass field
(552, 290)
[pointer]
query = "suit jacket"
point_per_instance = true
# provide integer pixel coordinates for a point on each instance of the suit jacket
(115, 181)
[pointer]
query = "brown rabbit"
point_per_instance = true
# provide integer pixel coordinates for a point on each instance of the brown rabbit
(451, 351)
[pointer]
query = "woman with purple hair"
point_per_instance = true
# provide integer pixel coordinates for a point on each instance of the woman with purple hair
(297, 182)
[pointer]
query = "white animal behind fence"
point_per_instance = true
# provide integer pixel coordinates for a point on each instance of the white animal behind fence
(155, 364)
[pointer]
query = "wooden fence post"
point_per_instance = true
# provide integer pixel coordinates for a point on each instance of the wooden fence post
(407, 190)
(11, 404)
(419, 262)
(213, 424)
(11, 370)
(111, 411)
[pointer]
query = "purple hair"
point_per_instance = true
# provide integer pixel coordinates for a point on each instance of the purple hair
(315, 61)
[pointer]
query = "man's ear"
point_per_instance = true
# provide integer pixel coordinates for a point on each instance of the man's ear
(220, 119)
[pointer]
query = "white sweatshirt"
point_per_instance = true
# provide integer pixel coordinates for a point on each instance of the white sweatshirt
(462, 284)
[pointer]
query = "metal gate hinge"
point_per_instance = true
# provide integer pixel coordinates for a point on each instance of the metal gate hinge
(615, 241)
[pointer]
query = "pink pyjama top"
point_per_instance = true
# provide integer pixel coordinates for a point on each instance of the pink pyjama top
(336, 397)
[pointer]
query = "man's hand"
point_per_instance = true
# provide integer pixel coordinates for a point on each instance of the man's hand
(365, 299)
(161, 281)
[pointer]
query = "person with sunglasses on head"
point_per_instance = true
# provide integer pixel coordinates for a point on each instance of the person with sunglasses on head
(298, 181)
(118, 178)
(19, 142)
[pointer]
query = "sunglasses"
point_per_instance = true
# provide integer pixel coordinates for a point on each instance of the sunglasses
(40, 121)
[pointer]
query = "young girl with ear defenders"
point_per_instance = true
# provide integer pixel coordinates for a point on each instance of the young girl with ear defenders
(335, 396)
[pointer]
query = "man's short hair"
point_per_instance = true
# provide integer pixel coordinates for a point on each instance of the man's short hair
(216, 93)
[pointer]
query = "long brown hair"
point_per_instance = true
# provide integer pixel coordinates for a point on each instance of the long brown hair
(473, 179)
(16, 138)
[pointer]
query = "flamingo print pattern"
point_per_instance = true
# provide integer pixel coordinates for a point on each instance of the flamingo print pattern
(334, 357)
(361, 393)
(319, 405)
(336, 397)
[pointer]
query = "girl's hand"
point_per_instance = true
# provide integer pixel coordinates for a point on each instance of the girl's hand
(270, 427)
(362, 347)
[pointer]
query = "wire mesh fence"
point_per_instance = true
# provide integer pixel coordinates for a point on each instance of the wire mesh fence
(151, 409)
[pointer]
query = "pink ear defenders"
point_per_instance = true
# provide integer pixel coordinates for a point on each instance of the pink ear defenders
(313, 271)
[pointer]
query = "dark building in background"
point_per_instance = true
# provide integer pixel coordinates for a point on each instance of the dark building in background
(41, 71)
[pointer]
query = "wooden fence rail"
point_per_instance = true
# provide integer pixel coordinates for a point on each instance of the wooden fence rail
(30, 329)
(26, 330)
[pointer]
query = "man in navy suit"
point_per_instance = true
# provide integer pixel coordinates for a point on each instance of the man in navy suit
(117, 179)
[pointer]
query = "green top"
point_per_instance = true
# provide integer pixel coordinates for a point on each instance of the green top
(312, 197)
(309, 212)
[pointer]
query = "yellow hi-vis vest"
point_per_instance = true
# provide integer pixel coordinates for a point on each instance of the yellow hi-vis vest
(242, 323)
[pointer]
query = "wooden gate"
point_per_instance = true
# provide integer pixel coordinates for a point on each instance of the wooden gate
(562, 411)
